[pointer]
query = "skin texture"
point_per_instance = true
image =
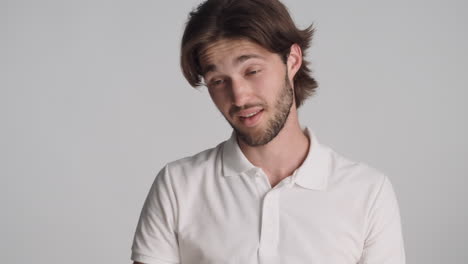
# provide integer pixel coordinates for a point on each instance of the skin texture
(243, 78)
(280, 108)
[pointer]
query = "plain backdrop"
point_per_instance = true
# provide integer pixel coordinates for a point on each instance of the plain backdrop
(93, 104)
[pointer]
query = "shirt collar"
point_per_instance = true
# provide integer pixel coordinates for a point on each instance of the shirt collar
(233, 159)
(312, 174)
(316, 168)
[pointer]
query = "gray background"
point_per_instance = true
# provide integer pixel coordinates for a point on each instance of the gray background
(92, 104)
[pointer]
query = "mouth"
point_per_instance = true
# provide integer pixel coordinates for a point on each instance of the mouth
(250, 118)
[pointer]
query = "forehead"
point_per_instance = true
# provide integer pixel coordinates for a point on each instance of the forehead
(228, 50)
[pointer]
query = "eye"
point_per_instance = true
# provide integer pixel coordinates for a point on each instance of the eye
(252, 72)
(216, 82)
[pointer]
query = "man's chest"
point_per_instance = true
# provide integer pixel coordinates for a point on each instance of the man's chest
(287, 224)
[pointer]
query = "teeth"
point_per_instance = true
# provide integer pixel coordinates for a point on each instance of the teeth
(252, 114)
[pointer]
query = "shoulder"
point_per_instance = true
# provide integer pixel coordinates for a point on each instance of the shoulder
(356, 175)
(207, 157)
(202, 163)
(359, 184)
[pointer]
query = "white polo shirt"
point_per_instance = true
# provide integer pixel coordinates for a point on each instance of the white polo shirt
(217, 208)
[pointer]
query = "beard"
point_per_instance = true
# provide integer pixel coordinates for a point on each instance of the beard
(281, 108)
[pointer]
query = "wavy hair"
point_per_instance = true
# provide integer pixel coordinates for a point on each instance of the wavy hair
(265, 22)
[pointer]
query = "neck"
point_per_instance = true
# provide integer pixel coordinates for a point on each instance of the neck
(280, 157)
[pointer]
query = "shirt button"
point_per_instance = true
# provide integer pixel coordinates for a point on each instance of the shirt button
(258, 173)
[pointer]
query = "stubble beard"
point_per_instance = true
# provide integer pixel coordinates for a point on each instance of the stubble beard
(276, 123)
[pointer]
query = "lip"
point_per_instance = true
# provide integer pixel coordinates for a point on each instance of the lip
(253, 120)
(249, 111)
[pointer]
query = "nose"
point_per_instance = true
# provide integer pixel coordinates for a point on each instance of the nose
(240, 92)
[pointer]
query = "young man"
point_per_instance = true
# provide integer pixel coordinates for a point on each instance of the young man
(271, 193)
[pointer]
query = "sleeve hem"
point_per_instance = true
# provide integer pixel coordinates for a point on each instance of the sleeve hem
(138, 257)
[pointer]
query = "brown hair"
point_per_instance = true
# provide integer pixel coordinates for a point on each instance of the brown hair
(265, 22)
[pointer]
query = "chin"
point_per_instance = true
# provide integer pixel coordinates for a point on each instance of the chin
(259, 137)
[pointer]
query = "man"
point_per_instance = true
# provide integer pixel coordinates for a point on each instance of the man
(271, 193)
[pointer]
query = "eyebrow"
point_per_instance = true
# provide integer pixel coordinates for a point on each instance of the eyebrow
(238, 60)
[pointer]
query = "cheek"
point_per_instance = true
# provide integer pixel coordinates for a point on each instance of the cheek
(220, 99)
(268, 88)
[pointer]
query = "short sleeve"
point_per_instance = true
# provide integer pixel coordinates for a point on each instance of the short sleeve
(384, 238)
(155, 240)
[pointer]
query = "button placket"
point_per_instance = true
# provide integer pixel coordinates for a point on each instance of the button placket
(262, 183)
(269, 236)
(269, 229)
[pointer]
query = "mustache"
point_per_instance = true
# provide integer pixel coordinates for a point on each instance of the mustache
(235, 109)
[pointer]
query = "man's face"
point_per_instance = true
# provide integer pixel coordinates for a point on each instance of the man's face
(250, 87)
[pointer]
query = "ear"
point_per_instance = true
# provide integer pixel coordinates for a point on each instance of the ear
(294, 61)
